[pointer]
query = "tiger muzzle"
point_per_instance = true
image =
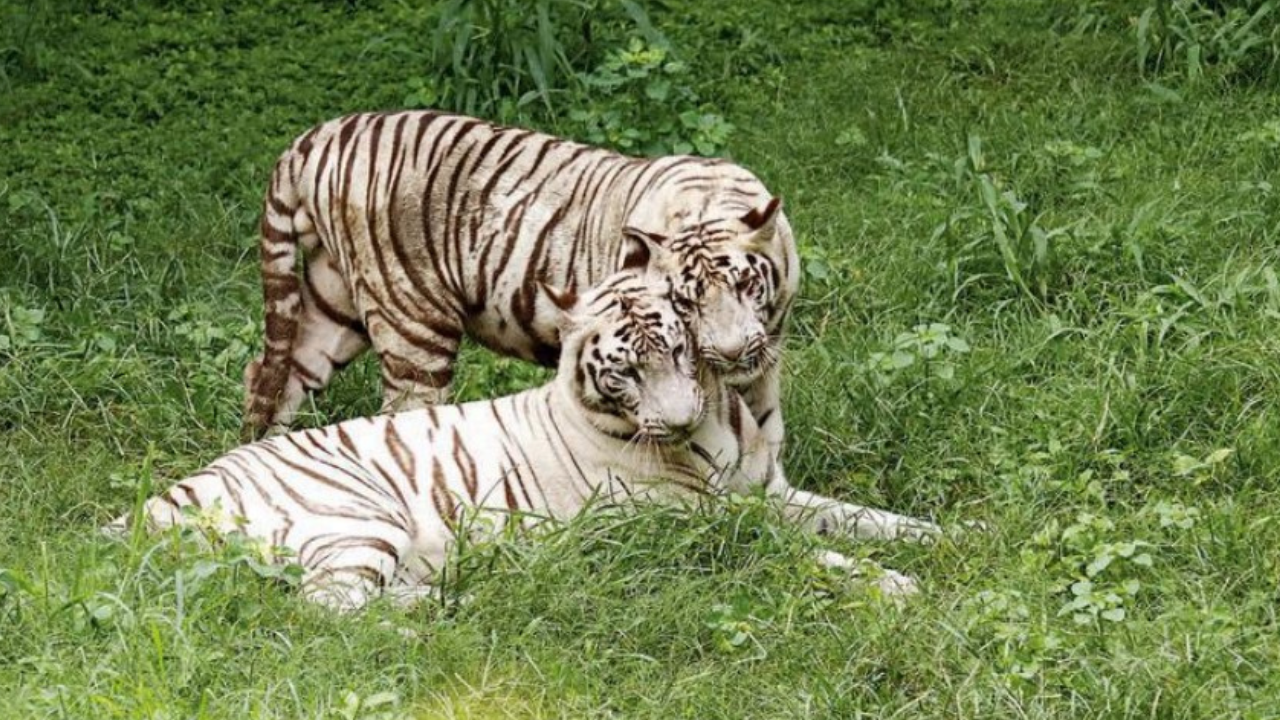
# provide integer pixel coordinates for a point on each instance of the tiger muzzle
(743, 358)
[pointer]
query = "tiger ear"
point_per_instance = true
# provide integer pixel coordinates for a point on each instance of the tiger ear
(641, 249)
(566, 306)
(564, 299)
(761, 222)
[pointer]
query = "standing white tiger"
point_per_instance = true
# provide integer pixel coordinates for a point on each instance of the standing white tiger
(374, 503)
(420, 227)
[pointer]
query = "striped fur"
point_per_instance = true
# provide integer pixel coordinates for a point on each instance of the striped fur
(421, 227)
(374, 504)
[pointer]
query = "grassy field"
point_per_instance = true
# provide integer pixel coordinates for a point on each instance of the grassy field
(1041, 292)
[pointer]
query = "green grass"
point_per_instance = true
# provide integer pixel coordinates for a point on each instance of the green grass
(1114, 417)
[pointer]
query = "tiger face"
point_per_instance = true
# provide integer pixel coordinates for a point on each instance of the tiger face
(628, 359)
(727, 286)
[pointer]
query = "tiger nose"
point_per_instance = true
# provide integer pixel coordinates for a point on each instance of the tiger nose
(733, 354)
(680, 424)
(681, 430)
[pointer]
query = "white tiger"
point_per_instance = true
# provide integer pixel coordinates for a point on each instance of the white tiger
(421, 227)
(373, 504)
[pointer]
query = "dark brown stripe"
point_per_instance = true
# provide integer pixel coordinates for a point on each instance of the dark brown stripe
(303, 144)
(403, 503)
(466, 464)
(321, 479)
(275, 236)
(231, 484)
(424, 122)
(279, 207)
(400, 452)
(703, 453)
(324, 459)
(247, 474)
(329, 311)
(508, 495)
(451, 241)
(347, 442)
(513, 467)
(310, 379)
(444, 503)
(735, 416)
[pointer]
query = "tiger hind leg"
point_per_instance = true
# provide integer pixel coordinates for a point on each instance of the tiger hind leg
(344, 572)
(328, 336)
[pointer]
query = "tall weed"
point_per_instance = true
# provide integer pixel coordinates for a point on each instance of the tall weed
(492, 57)
(496, 58)
(1002, 224)
(23, 50)
(1237, 41)
(520, 62)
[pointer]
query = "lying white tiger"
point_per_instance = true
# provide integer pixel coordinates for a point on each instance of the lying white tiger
(420, 227)
(373, 503)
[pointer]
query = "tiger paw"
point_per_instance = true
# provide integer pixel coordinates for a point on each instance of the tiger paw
(919, 531)
(967, 528)
(891, 584)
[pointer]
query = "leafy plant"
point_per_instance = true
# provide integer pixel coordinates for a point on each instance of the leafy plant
(20, 327)
(733, 625)
(1099, 570)
(1173, 515)
(1075, 166)
(827, 266)
(930, 346)
(516, 61)
(509, 60)
(1201, 470)
(1025, 247)
(640, 100)
(218, 551)
(378, 706)
(1022, 642)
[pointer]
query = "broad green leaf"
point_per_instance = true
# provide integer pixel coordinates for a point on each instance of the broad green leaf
(1113, 614)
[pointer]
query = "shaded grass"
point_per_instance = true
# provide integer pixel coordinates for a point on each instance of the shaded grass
(132, 174)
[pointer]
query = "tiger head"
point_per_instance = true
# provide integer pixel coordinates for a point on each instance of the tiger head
(733, 281)
(627, 359)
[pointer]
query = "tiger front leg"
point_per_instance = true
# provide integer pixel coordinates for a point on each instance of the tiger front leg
(760, 466)
(417, 362)
(404, 388)
(763, 397)
(827, 516)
